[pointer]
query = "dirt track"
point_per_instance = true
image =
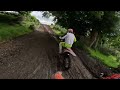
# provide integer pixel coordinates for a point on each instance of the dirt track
(35, 56)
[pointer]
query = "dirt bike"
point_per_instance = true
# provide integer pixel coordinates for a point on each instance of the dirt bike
(66, 56)
(113, 76)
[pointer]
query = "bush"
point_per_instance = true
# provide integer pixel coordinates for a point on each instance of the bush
(60, 31)
(31, 22)
(32, 27)
(7, 18)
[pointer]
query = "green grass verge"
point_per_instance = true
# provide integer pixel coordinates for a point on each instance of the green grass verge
(110, 61)
(10, 28)
(11, 31)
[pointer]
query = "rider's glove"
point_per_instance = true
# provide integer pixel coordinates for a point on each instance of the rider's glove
(60, 37)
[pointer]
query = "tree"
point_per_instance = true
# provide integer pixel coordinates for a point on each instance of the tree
(24, 12)
(98, 23)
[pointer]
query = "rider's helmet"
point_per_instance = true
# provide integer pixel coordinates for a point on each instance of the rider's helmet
(70, 30)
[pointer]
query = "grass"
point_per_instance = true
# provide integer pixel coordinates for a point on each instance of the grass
(6, 18)
(110, 60)
(9, 31)
(9, 28)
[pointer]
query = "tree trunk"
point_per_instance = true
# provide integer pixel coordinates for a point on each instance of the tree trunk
(102, 41)
(94, 36)
(96, 44)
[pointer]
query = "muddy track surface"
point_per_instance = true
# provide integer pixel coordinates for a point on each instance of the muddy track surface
(35, 56)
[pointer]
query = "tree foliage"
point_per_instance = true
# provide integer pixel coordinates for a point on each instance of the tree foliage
(97, 23)
(24, 12)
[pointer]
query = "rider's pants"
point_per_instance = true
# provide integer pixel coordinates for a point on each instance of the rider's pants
(63, 44)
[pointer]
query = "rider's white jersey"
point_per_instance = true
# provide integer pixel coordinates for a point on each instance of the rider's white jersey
(69, 38)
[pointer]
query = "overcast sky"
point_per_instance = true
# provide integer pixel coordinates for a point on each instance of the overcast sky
(38, 15)
(42, 20)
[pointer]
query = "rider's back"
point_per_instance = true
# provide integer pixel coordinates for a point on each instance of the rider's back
(70, 38)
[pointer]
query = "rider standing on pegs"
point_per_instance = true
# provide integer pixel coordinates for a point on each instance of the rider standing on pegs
(69, 40)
